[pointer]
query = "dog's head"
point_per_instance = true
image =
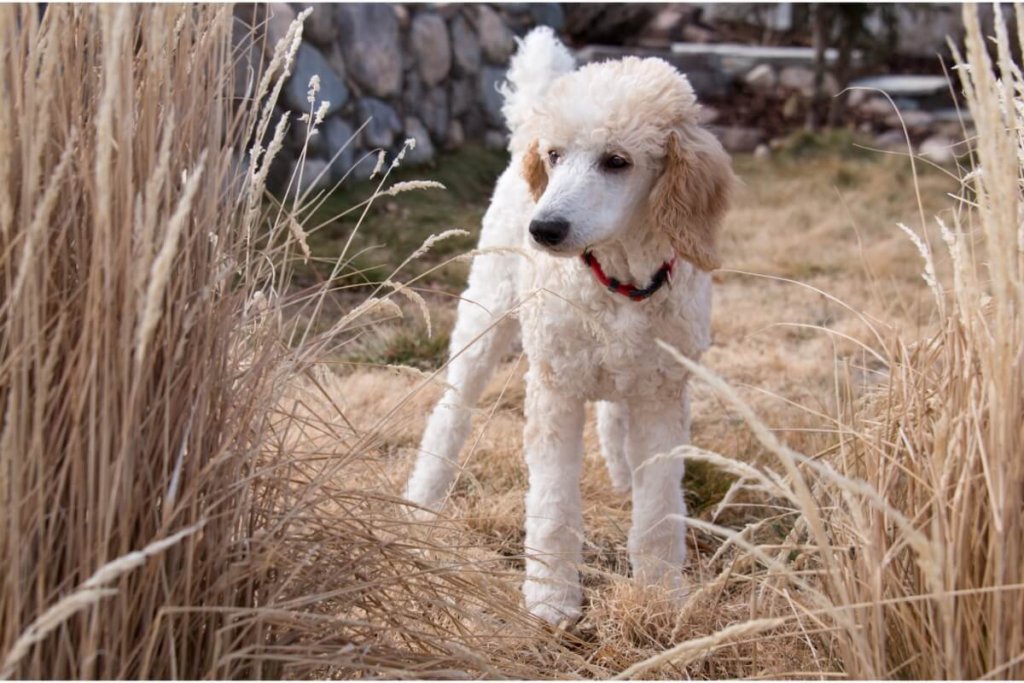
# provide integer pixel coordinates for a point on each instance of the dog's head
(616, 147)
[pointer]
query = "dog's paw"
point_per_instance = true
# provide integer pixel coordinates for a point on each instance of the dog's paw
(560, 618)
(621, 477)
(554, 599)
(415, 513)
(622, 488)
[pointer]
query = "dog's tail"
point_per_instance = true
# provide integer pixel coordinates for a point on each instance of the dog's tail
(540, 59)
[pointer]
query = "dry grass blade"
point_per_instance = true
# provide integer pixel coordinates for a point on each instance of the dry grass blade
(91, 591)
(685, 652)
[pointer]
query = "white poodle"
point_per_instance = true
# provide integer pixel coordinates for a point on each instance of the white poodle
(614, 194)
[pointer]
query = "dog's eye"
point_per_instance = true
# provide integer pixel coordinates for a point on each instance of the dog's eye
(614, 163)
(554, 157)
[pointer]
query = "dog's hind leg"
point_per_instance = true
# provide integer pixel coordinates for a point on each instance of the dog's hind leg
(612, 429)
(657, 539)
(483, 330)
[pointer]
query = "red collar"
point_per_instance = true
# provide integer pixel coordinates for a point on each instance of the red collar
(627, 290)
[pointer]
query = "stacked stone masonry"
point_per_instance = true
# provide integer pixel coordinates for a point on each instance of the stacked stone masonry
(392, 72)
(430, 72)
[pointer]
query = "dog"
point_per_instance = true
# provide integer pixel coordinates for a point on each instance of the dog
(615, 193)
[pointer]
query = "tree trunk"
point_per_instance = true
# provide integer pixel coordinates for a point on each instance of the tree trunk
(820, 15)
(847, 29)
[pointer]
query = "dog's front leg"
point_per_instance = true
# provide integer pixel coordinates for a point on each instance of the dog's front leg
(483, 331)
(553, 441)
(657, 539)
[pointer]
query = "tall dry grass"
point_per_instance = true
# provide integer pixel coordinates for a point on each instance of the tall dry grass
(946, 454)
(169, 460)
(905, 551)
(135, 372)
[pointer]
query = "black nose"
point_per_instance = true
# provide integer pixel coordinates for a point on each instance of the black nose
(549, 233)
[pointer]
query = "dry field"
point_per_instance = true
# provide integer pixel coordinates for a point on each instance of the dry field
(210, 399)
(806, 228)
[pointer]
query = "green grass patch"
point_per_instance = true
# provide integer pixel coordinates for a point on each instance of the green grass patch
(839, 143)
(395, 227)
(397, 345)
(704, 485)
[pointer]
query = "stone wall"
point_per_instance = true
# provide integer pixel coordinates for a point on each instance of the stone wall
(427, 72)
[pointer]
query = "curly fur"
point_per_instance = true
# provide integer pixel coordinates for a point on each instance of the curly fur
(692, 194)
(584, 342)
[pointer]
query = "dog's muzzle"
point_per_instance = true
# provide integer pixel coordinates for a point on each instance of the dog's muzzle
(549, 233)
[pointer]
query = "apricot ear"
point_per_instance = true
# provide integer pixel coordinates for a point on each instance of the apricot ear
(690, 199)
(534, 172)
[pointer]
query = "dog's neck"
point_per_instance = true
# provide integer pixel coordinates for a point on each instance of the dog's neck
(634, 260)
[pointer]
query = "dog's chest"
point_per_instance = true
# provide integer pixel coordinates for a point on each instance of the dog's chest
(591, 343)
